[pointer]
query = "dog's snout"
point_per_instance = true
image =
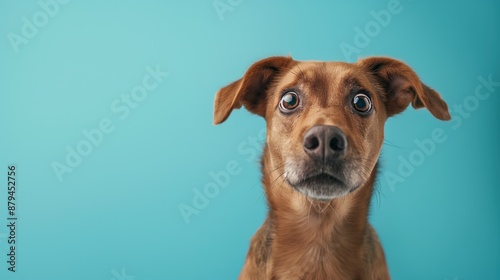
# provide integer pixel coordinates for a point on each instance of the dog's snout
(324, 143)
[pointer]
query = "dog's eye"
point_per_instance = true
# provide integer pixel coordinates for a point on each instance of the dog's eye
(362, 103)
(289, 102)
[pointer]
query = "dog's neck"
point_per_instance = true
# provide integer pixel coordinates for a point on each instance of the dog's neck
(306, 233)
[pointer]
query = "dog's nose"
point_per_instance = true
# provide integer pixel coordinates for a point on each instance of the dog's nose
(324, 142)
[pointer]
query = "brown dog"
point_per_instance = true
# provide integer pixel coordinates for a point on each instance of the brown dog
(325, 128)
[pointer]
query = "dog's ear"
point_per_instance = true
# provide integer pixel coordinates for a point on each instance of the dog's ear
(401, 86)
(251, 89)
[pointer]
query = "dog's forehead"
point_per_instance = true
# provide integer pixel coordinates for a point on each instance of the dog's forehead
(322, 76)
(323, 79)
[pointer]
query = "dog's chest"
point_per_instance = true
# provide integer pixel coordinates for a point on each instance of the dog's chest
(315, 263)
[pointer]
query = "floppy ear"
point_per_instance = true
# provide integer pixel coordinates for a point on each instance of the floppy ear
(251, 89)
(401, 86)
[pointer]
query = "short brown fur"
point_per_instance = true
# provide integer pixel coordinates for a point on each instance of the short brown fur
(303, 237)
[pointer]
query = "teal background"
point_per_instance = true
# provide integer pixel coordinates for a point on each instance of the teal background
(116, 215)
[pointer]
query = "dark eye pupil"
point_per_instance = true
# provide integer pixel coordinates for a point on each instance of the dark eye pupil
(362, 103)
(290, 100)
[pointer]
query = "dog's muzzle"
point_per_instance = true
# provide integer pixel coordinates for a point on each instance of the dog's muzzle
(321, 176)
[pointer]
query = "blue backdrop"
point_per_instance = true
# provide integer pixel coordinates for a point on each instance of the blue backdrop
(106, 114)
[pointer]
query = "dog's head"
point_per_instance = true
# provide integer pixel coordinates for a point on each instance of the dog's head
(325, 120)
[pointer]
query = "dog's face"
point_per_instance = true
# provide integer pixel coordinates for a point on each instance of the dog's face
(325, 120)
(326, 128)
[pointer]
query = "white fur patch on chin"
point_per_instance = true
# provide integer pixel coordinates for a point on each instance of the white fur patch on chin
(318, 196)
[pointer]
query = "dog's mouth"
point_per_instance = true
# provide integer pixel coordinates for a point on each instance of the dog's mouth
(321, 179)
(321, 186)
